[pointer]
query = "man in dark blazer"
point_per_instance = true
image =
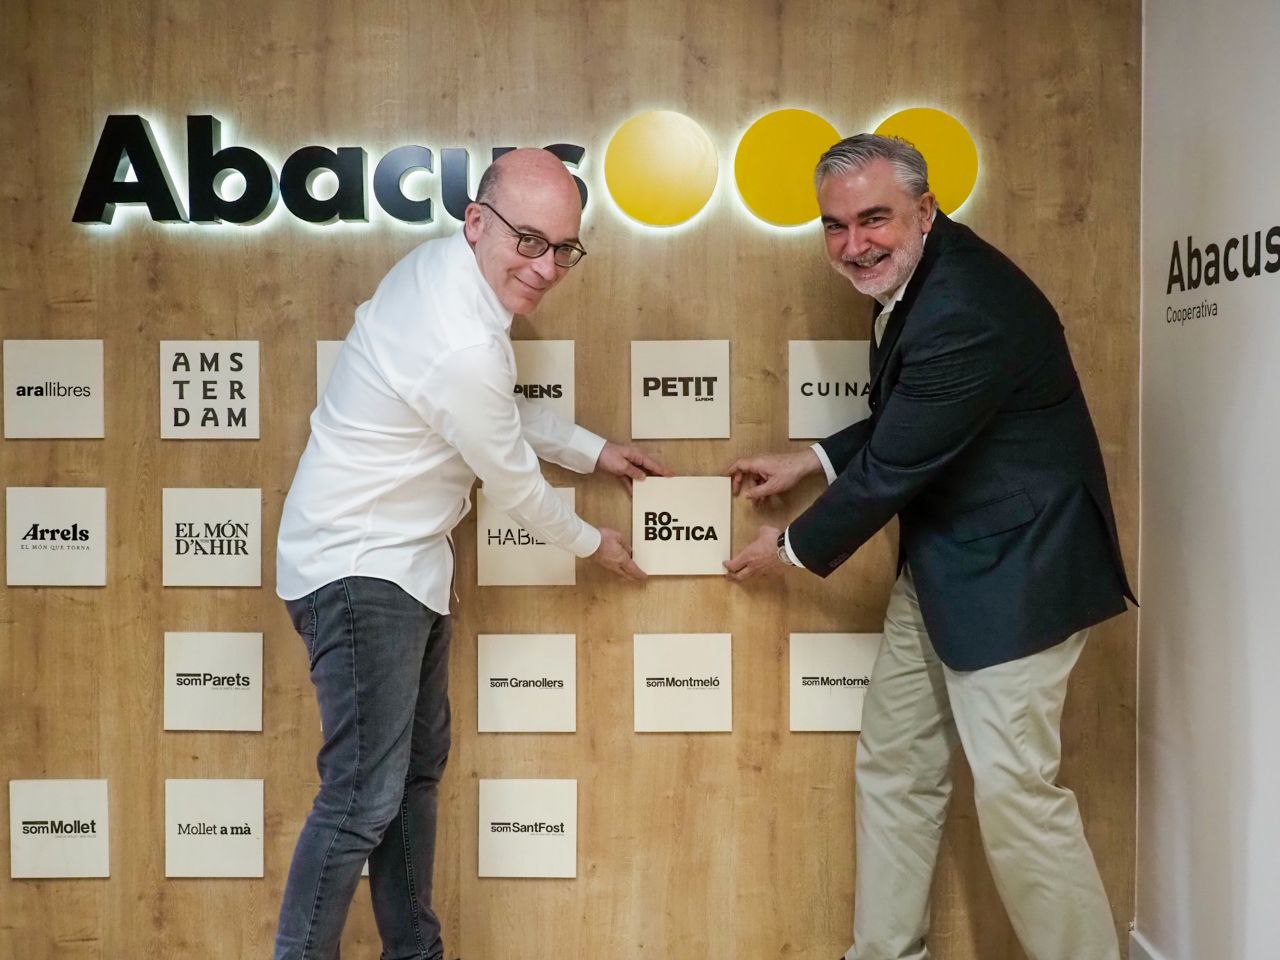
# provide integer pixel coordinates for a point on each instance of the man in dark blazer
(980, 442)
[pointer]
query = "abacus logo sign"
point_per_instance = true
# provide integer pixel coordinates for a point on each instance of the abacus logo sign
(509, 555)
(213, 538)
(213, 681)
(209, 390)
(680, 525)
(661, 168)
(57, 536)
(1242, 256)
(58, 828)
(1192, 267)
(128, 143)
(679, 388)
(53, 388)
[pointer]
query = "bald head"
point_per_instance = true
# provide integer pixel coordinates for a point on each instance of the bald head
(533, 193)
(522, 169)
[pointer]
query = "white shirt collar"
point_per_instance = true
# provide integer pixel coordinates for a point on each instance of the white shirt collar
(488, 304)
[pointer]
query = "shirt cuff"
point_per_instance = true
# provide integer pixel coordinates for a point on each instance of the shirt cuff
(786, 542)
(586, 542)
(829, 470)
(583, 451)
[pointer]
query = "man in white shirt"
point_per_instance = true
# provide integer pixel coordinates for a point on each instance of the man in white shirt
(421, 403)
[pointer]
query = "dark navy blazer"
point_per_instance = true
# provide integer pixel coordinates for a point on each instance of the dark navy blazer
(980, 441)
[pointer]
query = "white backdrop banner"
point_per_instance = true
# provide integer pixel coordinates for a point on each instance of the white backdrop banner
(1208, 844)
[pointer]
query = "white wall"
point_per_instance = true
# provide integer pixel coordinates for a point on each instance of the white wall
(1209, 714)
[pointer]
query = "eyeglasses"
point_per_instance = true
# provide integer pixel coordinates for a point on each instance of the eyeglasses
(533, 246)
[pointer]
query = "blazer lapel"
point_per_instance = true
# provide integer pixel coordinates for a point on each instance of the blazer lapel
(898, 316)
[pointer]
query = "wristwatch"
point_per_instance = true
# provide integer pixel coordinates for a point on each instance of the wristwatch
(783, 555)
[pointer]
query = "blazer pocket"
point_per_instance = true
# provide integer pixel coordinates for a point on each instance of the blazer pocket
(998, 516)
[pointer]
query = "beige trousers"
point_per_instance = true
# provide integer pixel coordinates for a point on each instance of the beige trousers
(1007, 718)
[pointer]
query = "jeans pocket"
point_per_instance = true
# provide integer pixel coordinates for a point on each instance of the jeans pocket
(303, 614)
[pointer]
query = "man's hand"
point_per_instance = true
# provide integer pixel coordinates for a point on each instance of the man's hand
(767, 474)
(615, 556)
(629, 463)
(759, 557)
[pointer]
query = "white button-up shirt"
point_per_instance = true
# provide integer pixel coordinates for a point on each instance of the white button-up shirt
(420, 403)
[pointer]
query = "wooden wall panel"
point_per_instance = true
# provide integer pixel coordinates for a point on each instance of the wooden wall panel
(730, 847)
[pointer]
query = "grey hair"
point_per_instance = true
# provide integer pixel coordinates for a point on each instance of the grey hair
(488, 185)
(854, 153)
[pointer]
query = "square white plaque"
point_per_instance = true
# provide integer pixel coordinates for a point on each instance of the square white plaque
(679, 388)
(209, 389)
(527, 682)
(828, 384)
(830, 676)
(53, 388)
(56, 536)
(544, 374)
(212, 537)
(680, 525)
(683, 682)
(528, 828)
(213, 828)
(58, 828)
(508, 555)
(213, 681)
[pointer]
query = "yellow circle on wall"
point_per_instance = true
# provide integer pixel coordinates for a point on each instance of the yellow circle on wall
(661, 168)
(947, 147)
(774, 165)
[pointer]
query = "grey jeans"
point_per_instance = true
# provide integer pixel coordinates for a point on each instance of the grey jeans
(380, 665)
